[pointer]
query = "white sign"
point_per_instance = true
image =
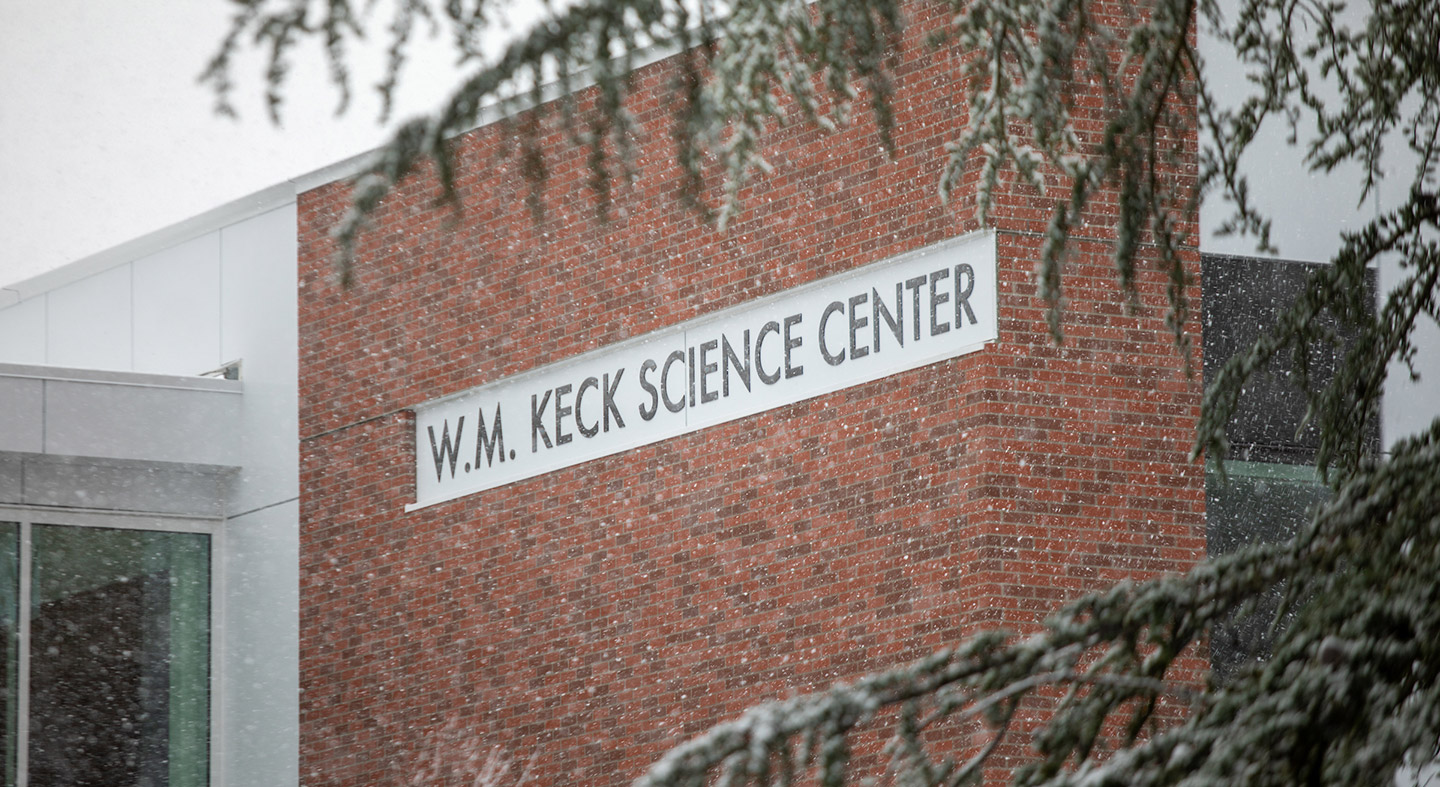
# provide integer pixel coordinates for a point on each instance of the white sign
(848, 329)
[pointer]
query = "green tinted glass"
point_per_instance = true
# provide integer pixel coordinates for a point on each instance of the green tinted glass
(119, 669)
(1258, 502)
(10, 631)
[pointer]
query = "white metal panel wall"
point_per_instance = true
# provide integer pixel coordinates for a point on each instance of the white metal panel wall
(159, 313)
(260, 682)
(22, 332)
(177, 308)
(258, 324)
(217, 296)
(87, 324)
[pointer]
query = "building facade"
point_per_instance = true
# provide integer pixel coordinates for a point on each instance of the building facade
(569, 491)
(148, 510)
(490, 558)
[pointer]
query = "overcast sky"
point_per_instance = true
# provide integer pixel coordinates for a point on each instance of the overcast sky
(105, 135)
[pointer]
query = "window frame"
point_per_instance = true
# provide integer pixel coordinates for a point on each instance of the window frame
(25, 518)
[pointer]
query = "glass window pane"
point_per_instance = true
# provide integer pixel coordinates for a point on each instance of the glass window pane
(1243, 298)
(1259, 502)
(119, 675)
(10, 632)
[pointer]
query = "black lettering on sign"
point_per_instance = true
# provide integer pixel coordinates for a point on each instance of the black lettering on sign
(702, 362)
(537, 426)
(588, 431)
(790, 344)
(673, 406)
(446, 450)
(690, 370)
(742, 362)
(609, 391)
(834, 359)
(769, 327)
(490, 442)
(646, 368)
(856, 323)
(937, 298)
(914, 285)
(894, 321)
(707, 368)
(962, 297)
(561, 411)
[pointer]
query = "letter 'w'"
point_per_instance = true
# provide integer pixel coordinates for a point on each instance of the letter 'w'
(446, 449)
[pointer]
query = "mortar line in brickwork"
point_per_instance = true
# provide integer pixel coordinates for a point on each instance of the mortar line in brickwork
(354, 424)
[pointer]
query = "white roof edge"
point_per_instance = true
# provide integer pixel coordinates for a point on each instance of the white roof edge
(272, 197)
(330, 173)
(246, 207)
(123, 378)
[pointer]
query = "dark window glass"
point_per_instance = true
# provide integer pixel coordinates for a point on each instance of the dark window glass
(119, 668)
(1272, 485)
(1259, 502)
(10, 632)
(1243, 298)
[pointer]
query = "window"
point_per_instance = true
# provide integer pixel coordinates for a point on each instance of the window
(1272, 483)
(1264, 502)
(107, 636)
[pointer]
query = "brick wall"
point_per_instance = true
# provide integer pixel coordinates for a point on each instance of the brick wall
(595, 615)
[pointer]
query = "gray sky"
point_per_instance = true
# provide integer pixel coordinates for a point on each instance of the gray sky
(105, 134)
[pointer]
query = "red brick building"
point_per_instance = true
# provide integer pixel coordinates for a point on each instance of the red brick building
(595, 614)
